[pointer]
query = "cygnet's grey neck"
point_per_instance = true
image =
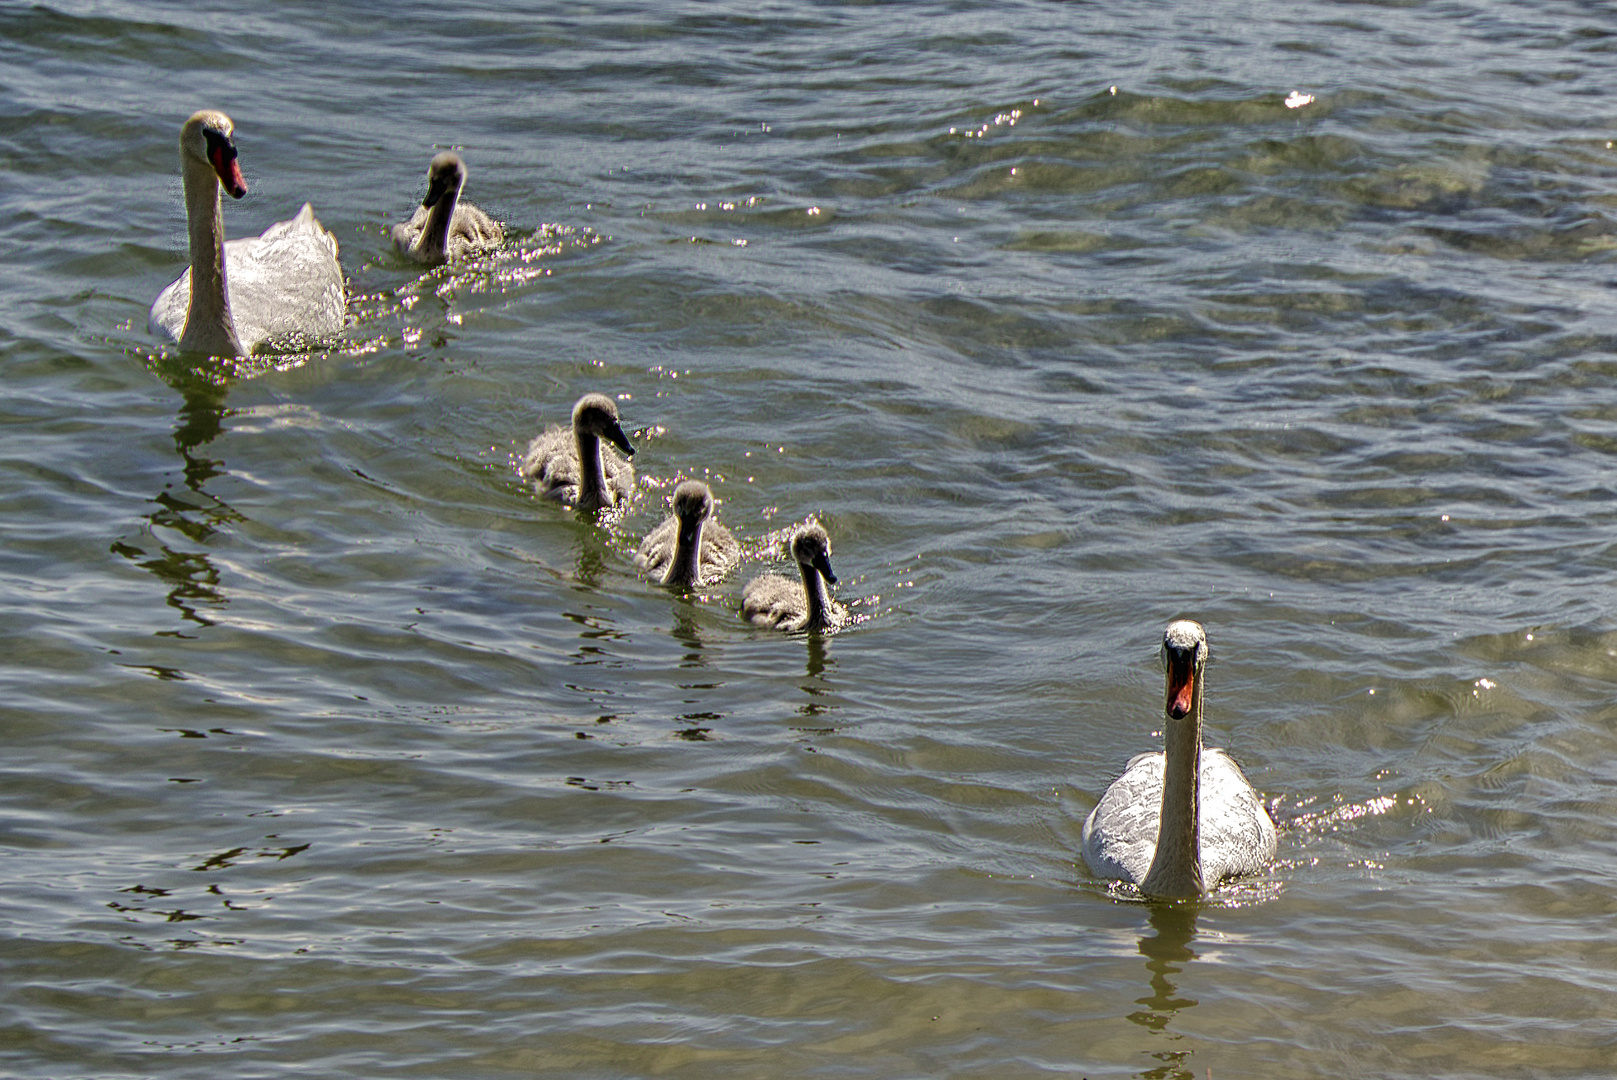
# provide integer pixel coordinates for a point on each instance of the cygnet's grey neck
(441, 212)
(818, 599)
(591, 472)
(686, 565)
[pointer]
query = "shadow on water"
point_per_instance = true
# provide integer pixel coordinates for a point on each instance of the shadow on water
(1166, 954)
(191, 512)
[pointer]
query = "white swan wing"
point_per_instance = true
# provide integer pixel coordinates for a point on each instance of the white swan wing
(1120, 834)
(173, 304)
(284, 283)
(1237, 834)
(167, 316)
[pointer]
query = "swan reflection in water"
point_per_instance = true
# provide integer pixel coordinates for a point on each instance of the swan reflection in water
(591, 557)
(193, 581)
(688, 632)
(1166, 953)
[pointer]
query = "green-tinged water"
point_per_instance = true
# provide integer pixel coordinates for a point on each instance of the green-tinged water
(331, 750)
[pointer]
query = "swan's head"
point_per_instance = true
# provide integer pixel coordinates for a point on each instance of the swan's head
(693, 502)
(1184, 651)
(208, 137)
(445, 176)
(597, 415)
(812, 547)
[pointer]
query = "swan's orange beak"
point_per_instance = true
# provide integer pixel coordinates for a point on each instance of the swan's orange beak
(1181, 685)
(224, 163)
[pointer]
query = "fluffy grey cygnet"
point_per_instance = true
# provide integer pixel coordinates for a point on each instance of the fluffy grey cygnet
(570, 465)
(442, 227)
(776, 601)
(689, 548)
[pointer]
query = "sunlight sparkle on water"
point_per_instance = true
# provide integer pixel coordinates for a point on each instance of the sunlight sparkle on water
(1336, 817)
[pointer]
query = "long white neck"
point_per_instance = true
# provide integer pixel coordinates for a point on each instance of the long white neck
(1176, 868)
(819, 603)
(208, 325)
(591, 473)
(686, 567)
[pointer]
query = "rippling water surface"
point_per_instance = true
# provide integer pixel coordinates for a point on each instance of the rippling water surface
(332, 751)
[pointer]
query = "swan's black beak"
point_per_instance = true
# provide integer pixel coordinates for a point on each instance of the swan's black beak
(222, 156)
(822, 563)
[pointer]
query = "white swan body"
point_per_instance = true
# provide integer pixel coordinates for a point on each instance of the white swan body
(284, 284)
(689, 548)
(1179, 821)
(783, 604)
(569, 464)
(443, 228)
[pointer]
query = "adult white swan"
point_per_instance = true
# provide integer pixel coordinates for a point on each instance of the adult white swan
(443, 227)
(783, 604)
(284, 284)
(1178, 822)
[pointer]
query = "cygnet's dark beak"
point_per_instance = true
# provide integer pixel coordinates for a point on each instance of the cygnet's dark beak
(437, 188)
(619, 439)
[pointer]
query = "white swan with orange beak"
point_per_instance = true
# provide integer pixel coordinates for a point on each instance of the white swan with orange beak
(284, 284)
(1179, 821)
